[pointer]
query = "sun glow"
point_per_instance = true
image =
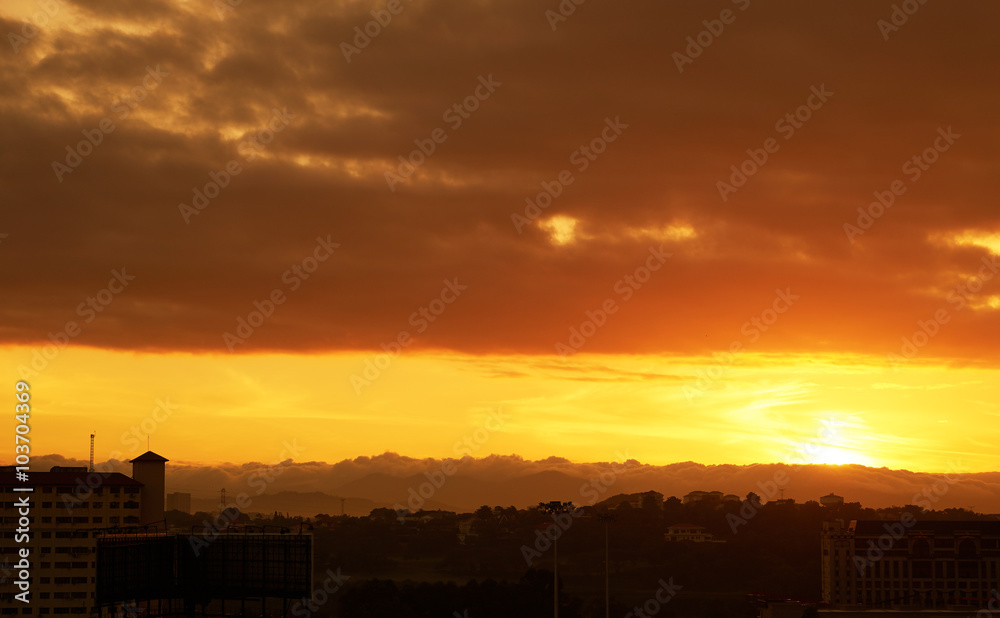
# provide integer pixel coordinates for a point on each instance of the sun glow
(837, 442)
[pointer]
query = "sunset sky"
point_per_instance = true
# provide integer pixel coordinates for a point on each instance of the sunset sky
(633, 227)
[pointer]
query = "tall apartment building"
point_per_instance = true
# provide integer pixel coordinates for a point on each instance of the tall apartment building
(178, 501)
(98, 547)
(68, 507)
(910, 564)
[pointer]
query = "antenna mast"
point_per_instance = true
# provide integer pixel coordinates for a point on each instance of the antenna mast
(92, 451)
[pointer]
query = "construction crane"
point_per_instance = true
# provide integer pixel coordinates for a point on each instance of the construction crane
(92, 451)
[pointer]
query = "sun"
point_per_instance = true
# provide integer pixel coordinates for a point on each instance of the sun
(836, 442)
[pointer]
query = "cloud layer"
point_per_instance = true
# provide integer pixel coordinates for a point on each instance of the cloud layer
(509, 479)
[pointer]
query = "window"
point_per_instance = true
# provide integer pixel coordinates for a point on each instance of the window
(920, 548)
(115, 505)
(98, 505)
(98, 520)
(967, 549)
(46, 520)
(46, 505)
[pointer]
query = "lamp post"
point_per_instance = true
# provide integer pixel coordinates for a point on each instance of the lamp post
(553, 508)
(607, 518)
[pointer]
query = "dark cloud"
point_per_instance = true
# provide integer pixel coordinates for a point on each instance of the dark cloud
(323, 174)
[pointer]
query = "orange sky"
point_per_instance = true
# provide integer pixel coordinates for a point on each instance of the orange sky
(578, 248)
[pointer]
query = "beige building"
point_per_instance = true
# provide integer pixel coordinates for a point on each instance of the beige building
(911, 564)
(68, 505)
(97, 547)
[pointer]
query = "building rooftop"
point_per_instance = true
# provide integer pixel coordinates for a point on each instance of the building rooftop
(867, 527)
(149, 456)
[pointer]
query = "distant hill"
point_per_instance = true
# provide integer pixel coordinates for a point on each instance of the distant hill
(505, 480)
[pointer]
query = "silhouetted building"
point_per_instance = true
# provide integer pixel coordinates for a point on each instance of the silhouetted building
(67, 505)
(149, 469)
(688, 532)
(178, 501)
(831, 499)
(89, 552)
(637, 501)
(699, 496)
(911, 564)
